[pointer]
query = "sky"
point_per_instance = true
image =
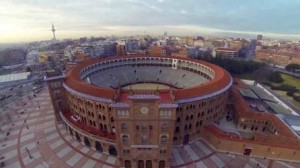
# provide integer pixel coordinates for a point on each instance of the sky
(30, 20)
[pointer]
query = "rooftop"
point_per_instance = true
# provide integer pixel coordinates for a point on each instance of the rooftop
(14, 77)
(221, 81)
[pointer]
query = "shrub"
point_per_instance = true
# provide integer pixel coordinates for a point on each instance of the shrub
(296, 98)
(289, 93)
(285, 87)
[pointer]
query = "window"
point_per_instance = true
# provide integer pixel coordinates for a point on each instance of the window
(144, 140)
(163, 139)
(144, 128)
(164, 127)
(177, 129)
(124, 127)
(127, 164)
(125, 139)
(148, 164)
(178, 119)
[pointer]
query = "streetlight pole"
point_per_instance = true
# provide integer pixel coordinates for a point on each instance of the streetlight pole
(28, 152)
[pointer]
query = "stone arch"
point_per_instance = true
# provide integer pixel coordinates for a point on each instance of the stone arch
(101, 126)
(140, 164)
(112, 150)
(127, 164)
(148, 164)
(98, 146)
(71, 131)
(87, 142)
(77, 136)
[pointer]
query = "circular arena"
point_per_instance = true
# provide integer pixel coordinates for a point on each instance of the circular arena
(138, 108)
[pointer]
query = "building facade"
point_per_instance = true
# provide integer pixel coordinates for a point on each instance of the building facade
(117, 107)
(226, 53)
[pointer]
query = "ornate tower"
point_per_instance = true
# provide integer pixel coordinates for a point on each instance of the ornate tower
(53, 31)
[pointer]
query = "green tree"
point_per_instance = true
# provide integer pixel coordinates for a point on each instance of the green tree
(293, 67)
(275, 77)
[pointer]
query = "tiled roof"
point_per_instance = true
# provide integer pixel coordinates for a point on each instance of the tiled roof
(89, 129)
(222, 79)
(284, 137)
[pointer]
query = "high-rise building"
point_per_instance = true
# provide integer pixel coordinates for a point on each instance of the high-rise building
(157, 50)
(226, 53)
(53, 31)
(132, 45)
(104, 49)
(32, 57)
(121, 50)
(259, 37)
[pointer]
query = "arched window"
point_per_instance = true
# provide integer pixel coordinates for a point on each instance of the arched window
(71, 131)
(104, 128)
(125, 139)
(144, 140)
(140, 164)
(163, 139)
(162, 164)
(127, 164)
(100, 126)
(112, 150)
(164, 127)
(112, 119)
(77, 136)
(178, 119)
(98, 146)
(124, 127)
(148, 164)
(103, 117)
(191, 117)
(87, 142)
(190, 126)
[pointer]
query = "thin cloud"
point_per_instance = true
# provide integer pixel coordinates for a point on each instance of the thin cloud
(19, 18)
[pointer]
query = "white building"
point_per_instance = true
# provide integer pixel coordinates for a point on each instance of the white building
(32, 57)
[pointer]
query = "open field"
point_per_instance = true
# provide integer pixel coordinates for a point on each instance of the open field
(292, 81)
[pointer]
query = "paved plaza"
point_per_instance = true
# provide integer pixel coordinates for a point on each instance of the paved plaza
(30, 138)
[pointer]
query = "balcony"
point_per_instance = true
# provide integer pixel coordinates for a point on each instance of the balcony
(71, 120)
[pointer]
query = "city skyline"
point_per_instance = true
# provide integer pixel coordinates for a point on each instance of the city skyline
(22, 21)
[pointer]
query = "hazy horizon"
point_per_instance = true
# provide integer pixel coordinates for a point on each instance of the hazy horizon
(30, 20)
